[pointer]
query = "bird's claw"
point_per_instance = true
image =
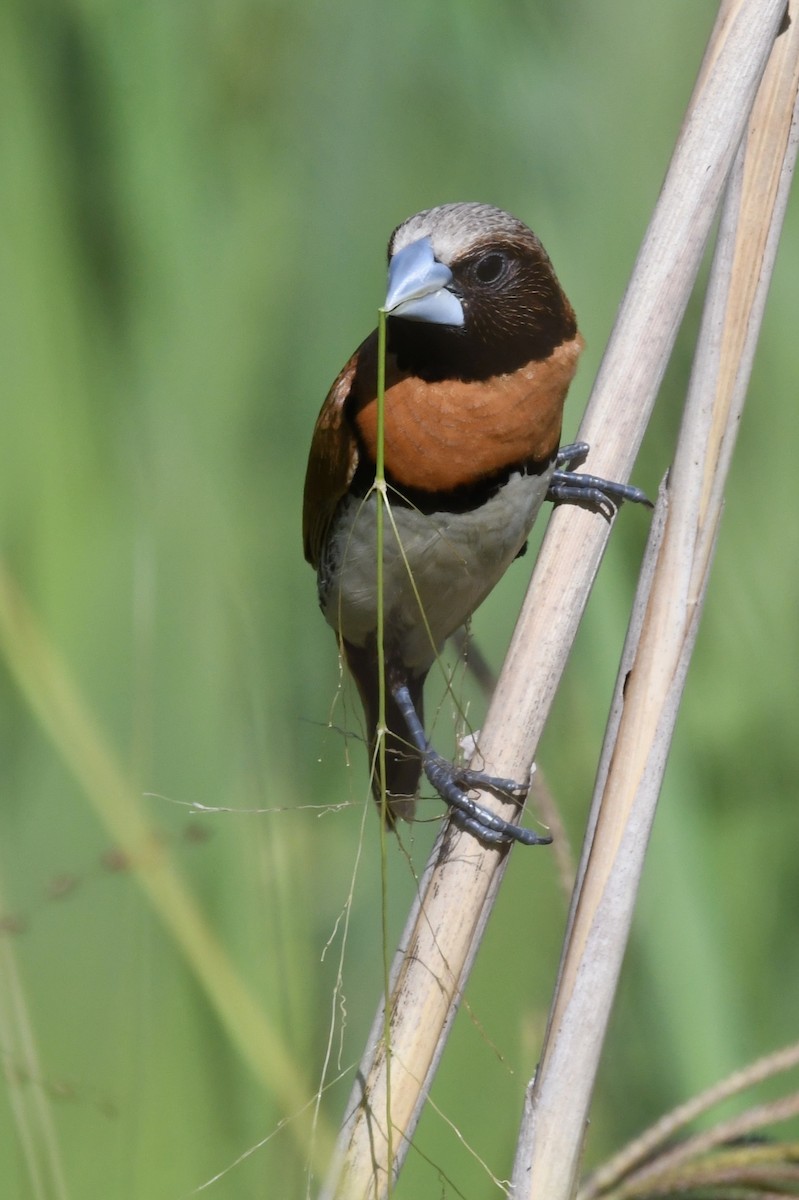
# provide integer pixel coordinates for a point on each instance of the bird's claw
(451, 780)
(452, 783)
(574, 487)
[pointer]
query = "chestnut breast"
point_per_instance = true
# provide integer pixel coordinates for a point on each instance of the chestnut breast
(444, 435)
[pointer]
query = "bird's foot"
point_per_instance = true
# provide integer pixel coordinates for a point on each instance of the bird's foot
(452, 782)
(573, 487)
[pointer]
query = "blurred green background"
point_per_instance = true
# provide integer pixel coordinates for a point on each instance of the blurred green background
(195, 200)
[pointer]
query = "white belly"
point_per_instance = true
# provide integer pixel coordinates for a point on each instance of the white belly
(437, 568)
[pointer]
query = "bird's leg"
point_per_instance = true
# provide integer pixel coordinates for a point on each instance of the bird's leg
(450, 780)
(574, 487)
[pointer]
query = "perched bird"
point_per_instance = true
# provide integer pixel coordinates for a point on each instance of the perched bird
(482, 345)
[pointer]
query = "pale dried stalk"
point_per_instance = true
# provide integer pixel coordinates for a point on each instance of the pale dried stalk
(661, 639)
(462, 877)
(675, 1169)
(670, 1127)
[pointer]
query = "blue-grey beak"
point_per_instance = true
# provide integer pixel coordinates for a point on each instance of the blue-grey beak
(417, 287)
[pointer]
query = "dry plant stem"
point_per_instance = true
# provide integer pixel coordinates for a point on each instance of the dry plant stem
(661, 639)
(670, 1127)
(680, 1163)
(462, 878)
(541, 800)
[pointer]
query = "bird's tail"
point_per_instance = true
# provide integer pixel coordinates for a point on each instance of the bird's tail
(403, 763)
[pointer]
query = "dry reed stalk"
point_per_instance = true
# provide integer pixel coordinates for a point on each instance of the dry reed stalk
(648, 1147)
(659, 644)
(461, 880)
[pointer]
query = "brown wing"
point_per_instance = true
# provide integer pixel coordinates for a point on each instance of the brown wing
(331, 465)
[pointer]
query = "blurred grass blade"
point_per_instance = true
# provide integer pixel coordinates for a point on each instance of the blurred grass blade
(28, 1099)
(45, 682)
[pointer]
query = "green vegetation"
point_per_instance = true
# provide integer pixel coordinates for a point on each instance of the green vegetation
(194, 205)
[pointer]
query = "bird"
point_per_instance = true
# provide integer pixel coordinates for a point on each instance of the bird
(481, 347)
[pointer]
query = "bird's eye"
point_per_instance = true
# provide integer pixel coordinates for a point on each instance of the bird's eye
(490, 268)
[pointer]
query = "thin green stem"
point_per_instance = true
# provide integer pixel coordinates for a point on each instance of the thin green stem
(380, 489)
